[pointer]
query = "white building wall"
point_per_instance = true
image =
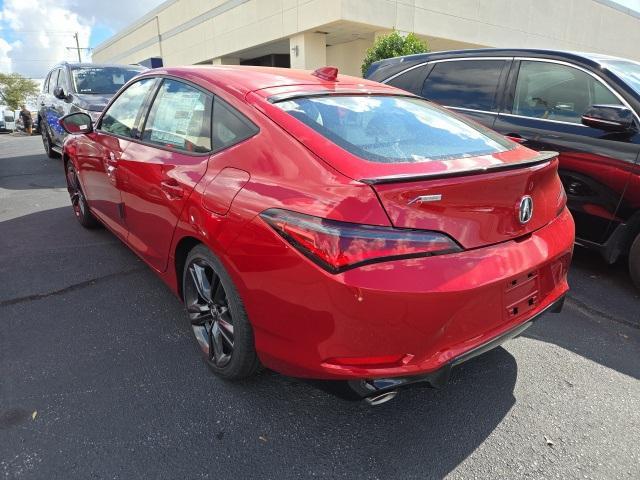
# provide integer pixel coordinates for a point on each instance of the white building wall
(199, 31)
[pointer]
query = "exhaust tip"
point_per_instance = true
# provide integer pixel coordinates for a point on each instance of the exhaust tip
(381, 398)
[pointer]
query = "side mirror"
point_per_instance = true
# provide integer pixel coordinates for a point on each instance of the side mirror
(76, 123)
(612, 118)
(58, 92)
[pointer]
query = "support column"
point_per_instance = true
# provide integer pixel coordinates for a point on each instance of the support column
(308, 50)
(225, 61)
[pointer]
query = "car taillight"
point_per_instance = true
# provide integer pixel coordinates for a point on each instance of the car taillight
(338, 246)
(562, 200)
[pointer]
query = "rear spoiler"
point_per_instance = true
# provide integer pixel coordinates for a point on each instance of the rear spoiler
(542, 157)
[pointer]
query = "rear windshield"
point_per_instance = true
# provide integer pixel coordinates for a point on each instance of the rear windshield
(394, 129)
(102, 80)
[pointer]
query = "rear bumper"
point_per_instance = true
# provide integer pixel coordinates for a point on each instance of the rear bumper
(426, 312)
(361, 389)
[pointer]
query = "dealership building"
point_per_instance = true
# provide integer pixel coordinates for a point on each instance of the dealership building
(312, 33)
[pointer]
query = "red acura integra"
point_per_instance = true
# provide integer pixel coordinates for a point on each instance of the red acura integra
(326, 227)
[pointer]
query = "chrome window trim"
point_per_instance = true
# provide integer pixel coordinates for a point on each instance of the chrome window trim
(577, 67)
(544, 120)
(464, 109)
(429, 62)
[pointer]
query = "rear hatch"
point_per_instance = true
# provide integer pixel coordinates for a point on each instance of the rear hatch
(431, 169)
(477, 209)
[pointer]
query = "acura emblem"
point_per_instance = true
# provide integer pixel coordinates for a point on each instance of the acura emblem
(526, 209)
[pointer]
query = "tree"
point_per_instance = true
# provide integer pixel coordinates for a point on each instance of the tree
(15, 89)
(393, 45)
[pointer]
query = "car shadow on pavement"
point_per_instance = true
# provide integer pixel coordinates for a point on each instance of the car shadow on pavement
(18, 171)
(424, 432)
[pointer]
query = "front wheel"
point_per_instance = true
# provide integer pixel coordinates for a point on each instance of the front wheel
(217, 315)
(78, 200)
(634, 261)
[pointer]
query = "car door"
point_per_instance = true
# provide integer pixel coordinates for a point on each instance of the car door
(471, 86)
(162, 169)
(99, 152)
(47, 104)
(59, 107)
(543, 109)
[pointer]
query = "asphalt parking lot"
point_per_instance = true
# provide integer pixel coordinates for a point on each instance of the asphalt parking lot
(99, 377)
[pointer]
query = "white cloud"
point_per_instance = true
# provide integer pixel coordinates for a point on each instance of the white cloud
(5, 60)
(43, 30)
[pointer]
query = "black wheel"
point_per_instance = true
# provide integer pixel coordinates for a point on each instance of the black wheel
(634, 261)
(46, 142)
(218, 319)
(78, 200)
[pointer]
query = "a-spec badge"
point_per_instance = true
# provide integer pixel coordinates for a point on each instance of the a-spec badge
(425, 199)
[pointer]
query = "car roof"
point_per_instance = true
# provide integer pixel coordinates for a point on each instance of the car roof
(385, 68)
(239, 80)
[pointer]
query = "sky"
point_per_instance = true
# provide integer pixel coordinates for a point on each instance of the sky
(36, 34)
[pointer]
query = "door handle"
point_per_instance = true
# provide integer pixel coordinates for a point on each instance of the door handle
(172, 188)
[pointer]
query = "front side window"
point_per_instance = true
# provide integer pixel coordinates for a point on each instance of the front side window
(102, 80)
(469, 84)
(180, 118)
(557, 92)
(394, 129)
(120, 118)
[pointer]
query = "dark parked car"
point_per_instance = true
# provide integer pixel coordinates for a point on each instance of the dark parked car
(77, 87)
(585, 106)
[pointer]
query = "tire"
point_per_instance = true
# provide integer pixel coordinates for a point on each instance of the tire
(48, 146)
(218, 319)
(634, 261)
(78, 200)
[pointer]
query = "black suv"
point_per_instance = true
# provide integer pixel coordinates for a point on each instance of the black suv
(77, 87)
(585, 106)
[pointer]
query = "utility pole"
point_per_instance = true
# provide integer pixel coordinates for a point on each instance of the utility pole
(78, 47)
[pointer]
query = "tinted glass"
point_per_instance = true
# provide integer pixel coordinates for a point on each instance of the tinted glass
(53, 80)
(180, 118)
(557, 92)
(392, 129)
(102, 80)
(467, 84)
(411, 80)
(45, 85)
(120, 117)
(229, 126)
(627, 70)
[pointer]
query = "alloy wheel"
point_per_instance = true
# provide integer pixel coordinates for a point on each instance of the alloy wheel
(208, 308)
(75, 191)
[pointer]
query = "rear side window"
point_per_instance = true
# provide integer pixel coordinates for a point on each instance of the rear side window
(411, 80)
(53, 80)
(120, 118)
(466, 84)
(45, 85)
(229, 126)
(180, 118)
(394, 129)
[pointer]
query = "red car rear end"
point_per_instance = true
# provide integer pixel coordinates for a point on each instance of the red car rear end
(365, 234)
